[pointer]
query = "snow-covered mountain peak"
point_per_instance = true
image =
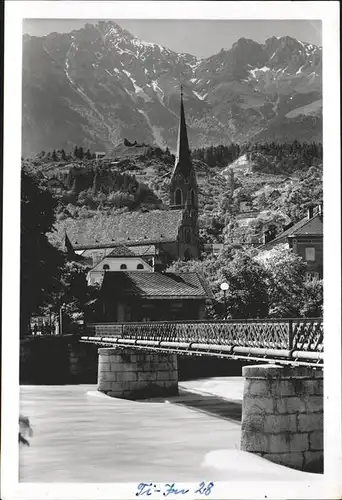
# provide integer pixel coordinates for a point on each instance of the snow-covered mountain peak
(105, 84)
(110, 28)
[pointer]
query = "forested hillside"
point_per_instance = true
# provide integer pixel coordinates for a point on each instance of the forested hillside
(278, 180)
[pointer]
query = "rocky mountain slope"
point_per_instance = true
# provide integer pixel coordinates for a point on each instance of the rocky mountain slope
(99, 84)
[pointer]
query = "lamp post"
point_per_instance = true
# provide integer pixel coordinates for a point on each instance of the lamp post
(224, 287)
(61, 319)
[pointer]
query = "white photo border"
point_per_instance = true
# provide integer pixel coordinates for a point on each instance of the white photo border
(328, 12)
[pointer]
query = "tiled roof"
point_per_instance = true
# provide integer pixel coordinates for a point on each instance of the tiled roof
(305, 227)
(314, 227)
(142, 250)
(155, 285)
(128, 228)
(121, 251)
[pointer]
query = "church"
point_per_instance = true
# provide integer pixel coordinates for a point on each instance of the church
(159, 237)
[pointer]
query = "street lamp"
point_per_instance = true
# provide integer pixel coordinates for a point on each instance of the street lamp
(224, 287)
(61, 319)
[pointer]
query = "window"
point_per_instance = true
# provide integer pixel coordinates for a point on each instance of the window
(105, 267)
(123, 266)
(310, 254)
(178, 197)
(192, 197)
(140, 266)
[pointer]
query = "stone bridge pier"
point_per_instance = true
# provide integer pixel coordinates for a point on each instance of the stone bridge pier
(131, 374)
(282, 415)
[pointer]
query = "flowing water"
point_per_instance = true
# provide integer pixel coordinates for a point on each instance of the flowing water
(83, 436)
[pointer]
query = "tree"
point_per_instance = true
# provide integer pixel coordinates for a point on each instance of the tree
(286, 274)
(307, 192)
(270, 219)
(247, 296)
(226, 202)
(40, 262)
(262, 201)
(248, 293)
(75, 291)
(312, 302)
(73, 294)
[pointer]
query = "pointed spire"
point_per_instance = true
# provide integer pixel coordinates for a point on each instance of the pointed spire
(183, 160)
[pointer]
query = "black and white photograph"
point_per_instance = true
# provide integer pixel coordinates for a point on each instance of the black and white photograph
(172, 321)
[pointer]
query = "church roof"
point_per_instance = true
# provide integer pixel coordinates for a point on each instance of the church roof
(155, 285)
(130, 228)
(183, 159)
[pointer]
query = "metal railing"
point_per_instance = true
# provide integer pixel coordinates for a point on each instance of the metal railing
(297, 340)
(300, 333)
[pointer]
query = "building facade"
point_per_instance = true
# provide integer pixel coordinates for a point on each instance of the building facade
(120, 258)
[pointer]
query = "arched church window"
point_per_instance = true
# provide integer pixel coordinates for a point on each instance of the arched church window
(192, 197)
(179, 197)
(140, 266)
(187, 234)
(106, 267)
(123, 266)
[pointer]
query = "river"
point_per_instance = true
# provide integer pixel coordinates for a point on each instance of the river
(81, 435)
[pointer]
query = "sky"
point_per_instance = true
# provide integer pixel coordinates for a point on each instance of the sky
(201, 38)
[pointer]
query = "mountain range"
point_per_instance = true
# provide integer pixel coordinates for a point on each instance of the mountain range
(98, 85)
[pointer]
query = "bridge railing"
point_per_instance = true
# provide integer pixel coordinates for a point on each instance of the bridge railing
(299, 334)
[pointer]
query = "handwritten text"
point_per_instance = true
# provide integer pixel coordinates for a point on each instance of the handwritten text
(171, 489)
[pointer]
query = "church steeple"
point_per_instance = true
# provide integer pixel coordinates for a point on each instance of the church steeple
(183, 186)
(183, 160)
(184, 193)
